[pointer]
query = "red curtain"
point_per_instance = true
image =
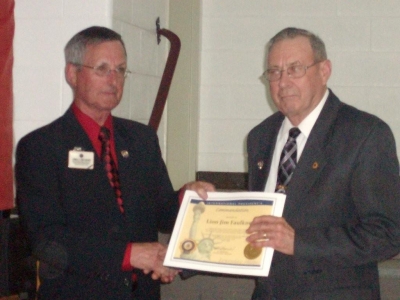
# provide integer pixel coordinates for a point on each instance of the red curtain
(7, 26)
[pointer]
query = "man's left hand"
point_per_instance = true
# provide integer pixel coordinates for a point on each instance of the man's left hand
(270, 231)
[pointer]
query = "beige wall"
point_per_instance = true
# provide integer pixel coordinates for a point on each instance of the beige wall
(183, 100)
(362, 39)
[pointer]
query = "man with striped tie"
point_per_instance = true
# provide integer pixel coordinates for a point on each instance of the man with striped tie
(339, 170)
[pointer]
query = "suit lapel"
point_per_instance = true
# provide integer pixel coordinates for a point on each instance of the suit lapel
(76, 137)
(263, 157)
(126, 146)
(123, 150)
(313, 158)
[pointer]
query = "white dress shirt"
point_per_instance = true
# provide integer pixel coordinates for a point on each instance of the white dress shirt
(305, 127)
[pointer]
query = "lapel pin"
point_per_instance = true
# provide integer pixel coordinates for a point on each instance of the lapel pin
(315, 165)
(125, 153)
(260, 164)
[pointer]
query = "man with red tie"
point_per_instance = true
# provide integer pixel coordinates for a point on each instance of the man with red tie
(93, 205)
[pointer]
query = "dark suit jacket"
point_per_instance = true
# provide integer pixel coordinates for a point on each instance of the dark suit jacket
(71, 215)
(342, 201)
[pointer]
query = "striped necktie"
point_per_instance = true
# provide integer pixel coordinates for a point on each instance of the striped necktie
(288, 161)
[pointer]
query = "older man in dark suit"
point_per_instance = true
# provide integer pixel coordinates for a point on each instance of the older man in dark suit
(93, 190)
(340, 173)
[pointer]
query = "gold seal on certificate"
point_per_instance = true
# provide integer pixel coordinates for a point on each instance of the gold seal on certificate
(188, 246)
(251, 252)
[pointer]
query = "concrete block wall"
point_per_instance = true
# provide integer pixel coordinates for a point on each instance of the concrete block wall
(43, 27)
(361, 36)
(363, 42)
(135, 20)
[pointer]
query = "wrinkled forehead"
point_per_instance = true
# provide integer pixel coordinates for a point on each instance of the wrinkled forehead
(289, 51)
(109, 50)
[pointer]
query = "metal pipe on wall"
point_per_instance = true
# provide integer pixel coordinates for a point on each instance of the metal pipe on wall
(166, 79)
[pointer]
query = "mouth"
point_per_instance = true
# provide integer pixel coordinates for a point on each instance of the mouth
(286, 96)
(110, 93)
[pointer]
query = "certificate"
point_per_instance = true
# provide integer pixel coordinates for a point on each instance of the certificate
(211, 235)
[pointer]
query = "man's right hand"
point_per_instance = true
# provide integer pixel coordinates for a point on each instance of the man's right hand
(150, 257)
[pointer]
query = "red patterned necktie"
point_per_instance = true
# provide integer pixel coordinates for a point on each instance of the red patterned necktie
(288, 161)
(111, 168)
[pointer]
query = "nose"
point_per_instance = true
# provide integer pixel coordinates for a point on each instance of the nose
(285, 79)
(113, 77)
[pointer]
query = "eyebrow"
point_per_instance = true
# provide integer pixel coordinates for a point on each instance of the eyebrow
(290, 64)
(125, 63)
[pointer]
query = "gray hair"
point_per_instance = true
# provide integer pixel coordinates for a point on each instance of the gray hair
(316, 43)
(75, 49)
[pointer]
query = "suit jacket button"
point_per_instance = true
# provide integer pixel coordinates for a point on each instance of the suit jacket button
(105, 276)
(126, 281)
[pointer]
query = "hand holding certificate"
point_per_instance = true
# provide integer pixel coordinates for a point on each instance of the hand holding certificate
(211, 235)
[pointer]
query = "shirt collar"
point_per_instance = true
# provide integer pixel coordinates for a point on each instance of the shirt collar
(91, 128)
(307, 124)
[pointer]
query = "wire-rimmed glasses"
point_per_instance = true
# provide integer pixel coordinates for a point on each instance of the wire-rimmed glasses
(105, 70)
(293, 71)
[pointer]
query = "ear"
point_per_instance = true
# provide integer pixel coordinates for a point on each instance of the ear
(71, 74)
(326, 70)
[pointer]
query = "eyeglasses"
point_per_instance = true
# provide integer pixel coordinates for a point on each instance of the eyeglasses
(105, 70)
(293, 71)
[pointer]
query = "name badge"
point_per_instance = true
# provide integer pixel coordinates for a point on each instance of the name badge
(80, 159)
